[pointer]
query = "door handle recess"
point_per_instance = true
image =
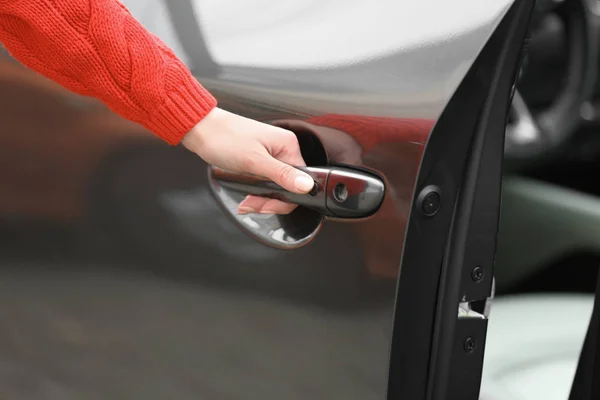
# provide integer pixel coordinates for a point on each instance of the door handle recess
(339, 192)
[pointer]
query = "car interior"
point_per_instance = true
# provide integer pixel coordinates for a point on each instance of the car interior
(101, 328)
(547, 257)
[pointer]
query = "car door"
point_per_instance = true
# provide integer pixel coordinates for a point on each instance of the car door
(376, 286)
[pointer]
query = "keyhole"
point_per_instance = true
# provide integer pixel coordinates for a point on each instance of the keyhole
(340, 192)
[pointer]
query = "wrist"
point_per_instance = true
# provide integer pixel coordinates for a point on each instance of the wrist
(195, 139)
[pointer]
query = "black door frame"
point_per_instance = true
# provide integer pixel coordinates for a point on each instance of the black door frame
(448, 258)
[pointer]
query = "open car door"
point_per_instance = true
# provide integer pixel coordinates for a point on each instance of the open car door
(376, 286)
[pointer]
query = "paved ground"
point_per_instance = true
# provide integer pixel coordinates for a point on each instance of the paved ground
(97, 333)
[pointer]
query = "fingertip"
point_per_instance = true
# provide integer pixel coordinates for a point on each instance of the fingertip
(245, 210)
(304, 183)
(277, 207)
(251, 204)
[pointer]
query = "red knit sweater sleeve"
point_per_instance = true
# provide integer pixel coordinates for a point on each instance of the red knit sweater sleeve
(97, 48)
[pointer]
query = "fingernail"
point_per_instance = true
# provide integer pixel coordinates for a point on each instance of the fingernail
(304, 183)
(246, 210)
(267, 212)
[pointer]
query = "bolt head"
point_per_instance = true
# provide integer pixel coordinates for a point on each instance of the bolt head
(477, 274)
(470, 345)
(429, 201)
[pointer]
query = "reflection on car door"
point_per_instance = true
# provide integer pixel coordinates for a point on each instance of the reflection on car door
(183, 303)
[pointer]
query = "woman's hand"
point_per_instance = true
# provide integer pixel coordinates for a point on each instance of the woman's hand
(239, 144)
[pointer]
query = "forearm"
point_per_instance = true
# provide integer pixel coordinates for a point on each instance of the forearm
(96, 48)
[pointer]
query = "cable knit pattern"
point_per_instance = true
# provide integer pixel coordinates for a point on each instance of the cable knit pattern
(97, 48)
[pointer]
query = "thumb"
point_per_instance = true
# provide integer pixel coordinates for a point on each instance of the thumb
(284, 175)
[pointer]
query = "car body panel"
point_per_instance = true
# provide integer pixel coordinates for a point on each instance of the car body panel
(389, 87)
(52, 144)
(400, 66)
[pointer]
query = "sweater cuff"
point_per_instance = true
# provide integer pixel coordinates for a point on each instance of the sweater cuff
(184, 108)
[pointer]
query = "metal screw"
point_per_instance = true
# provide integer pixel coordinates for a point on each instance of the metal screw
(477, 274)
(470, 345)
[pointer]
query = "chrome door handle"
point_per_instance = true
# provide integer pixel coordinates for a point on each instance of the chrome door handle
(339, 192)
